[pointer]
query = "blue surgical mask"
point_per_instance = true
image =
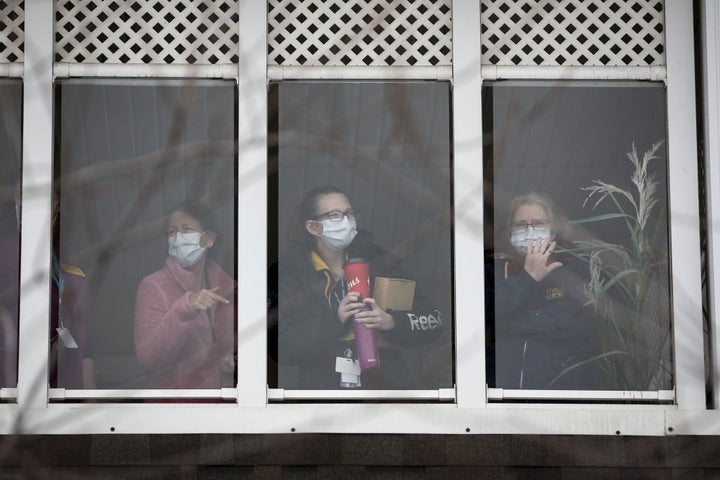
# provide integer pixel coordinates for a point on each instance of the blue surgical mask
(185, 248)
(338, 235)
(520, 240)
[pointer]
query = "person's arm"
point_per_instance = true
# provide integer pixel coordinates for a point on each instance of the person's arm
(306, 323)
(422, 324)
(160, 326)
(419, 325)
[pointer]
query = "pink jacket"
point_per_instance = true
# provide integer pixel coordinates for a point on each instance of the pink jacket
(178, 346)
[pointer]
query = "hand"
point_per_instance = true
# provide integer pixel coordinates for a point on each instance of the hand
(376, 317)
(206, 299)
(536, 260)
(349, 306)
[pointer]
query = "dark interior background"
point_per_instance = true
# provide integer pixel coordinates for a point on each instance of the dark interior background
(11, 95)
(388, 145)
(557, 137)
(127, 151)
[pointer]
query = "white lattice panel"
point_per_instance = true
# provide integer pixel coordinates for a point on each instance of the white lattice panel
(12, 35)
(146, 31)
(359, 32)
(573, 32)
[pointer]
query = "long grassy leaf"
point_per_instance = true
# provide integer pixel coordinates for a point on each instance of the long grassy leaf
(598, 218)
(585, 362)
(616, 278)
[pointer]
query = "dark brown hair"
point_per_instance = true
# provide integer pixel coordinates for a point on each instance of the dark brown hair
(298, 236)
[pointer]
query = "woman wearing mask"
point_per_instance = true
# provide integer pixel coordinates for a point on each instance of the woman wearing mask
(185, 312)
(316, 312)
(544, 331)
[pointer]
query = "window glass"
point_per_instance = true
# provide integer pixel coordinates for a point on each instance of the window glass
(10, 168)
(363, 172)
(577, 270)
(144, 235)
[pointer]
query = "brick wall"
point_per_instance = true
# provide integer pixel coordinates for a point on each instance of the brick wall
(348, 457)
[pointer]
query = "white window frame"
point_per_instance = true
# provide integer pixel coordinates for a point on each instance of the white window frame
(355, 73)
(471, 412)
(683, 204)
(710, 12)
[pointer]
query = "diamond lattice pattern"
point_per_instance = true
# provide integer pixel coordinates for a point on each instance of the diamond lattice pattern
(573, 32)
(12, 35)
(360, 32)
(144, 31)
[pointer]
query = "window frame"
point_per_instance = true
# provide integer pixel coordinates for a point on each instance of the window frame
(682, 187)
(471, 413)
(710, 18)
(9, 393)
(355, 75)
(96, 78)
(638, 81)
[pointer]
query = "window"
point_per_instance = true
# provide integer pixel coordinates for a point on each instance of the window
(582, 165)
(143, 210)
(383, 150)
(428, 116)
(10, 141)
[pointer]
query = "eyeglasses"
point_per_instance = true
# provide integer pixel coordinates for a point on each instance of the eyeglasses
(184, 229)
(522, 225)
(337, 215)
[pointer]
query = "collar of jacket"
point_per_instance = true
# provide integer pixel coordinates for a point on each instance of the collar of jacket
(216, 277)
(320, 266)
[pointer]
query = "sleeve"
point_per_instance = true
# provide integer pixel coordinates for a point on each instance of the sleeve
(307, 327)
(513, 294)
(420, 325)
(161, 326)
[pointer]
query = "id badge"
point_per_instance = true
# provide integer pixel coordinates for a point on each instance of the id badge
(66, 337)
(347, 365)
(348, 380)
(349, 371)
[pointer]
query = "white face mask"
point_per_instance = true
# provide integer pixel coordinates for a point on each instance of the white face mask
(520, 240)
(338, 235)
(185, 248)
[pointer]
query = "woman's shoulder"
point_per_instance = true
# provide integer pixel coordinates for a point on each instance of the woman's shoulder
(219, 277)
(155, 287)
(159, 280)
(158, 276)
(294, 260)
(364, 246)
(165, 276)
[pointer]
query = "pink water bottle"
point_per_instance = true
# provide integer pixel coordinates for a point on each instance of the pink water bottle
(357, 278)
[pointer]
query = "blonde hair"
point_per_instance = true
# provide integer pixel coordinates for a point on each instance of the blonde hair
(558, 222)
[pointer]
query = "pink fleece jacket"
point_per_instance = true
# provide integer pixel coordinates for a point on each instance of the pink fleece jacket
(178, 346)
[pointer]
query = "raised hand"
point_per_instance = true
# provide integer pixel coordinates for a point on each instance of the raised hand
(536, 260)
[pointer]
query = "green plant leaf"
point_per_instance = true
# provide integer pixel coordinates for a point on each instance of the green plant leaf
(598, 218)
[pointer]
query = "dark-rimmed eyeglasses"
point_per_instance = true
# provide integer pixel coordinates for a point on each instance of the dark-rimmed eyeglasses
(522, 225)
(338, 215)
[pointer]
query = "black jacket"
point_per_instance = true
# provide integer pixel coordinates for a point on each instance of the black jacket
(310, 336)
(545, 334)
